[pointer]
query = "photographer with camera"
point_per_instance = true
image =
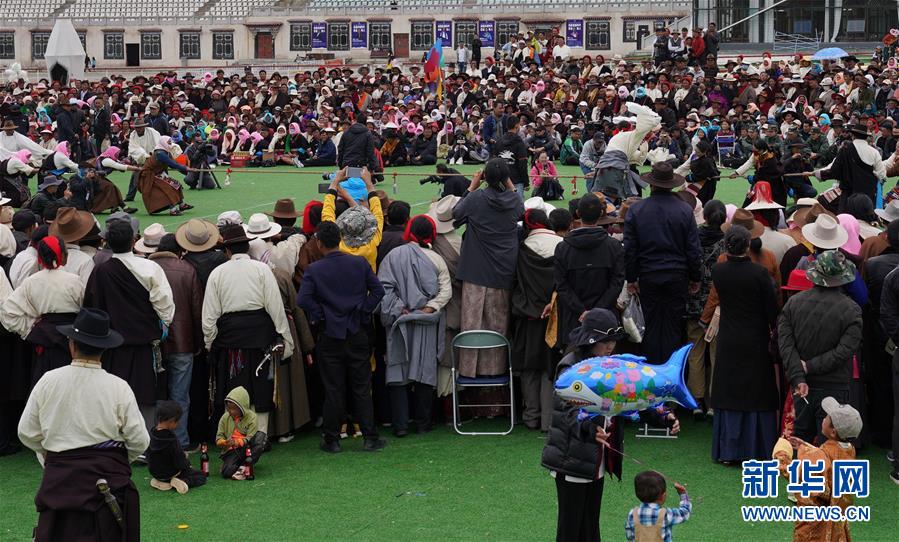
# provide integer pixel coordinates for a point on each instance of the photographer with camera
(200, 155)
(454, 183)
(798, 161)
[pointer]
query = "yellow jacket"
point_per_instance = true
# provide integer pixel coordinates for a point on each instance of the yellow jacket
(369, 251)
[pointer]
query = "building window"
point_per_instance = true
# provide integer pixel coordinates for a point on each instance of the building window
(422, 36)
(83, 37)
(222, 45)
(379, 37)
(504, 29)
(630, 31)
(39, 44)
(190, 45)
(466, 32)
(598, 35)
(7, 45)
(658, 25)
(151, 46)
(113, 46)
(338, 36)
(301, 36)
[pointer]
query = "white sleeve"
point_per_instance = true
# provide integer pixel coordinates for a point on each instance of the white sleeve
(747, 165)
(60, 160)
(684, 169)
(132, 426)
(161, 295)
(17, 314)
(445, 292)
(212, 309)
(30, 433)
(112, 164)
(17, 166)
(880, 169)
(275, 308)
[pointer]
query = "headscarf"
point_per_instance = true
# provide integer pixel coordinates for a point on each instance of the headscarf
(410, 237)
(308, 227)
(111, 152)
(62, 148)
(23, 155)
(294, 129)
(243, 135)
(51, 242)
(164, 144)
(531, 223)
(850, 224)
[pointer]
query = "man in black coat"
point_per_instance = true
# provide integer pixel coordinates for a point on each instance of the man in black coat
(157, 120)
(101, 126)
(589, 267)
(513, 150)
(357, 147)
(669, 118)
(424, 148)
(68, 123)
(663, 258)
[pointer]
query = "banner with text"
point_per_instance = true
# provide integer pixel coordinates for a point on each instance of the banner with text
(319, 36)
(487, 31)
(360, 36)
(444, 31)
(574, 32)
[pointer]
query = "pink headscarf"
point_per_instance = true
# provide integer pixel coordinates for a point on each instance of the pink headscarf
(731, 209)
(256, 137)
(164, 144)
(243, 135)
(63, 148)
(850, 224)
(23, 155)
(214, 135)
(111, 152)
(294, 129)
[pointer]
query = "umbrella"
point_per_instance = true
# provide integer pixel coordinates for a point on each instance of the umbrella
(830, 53)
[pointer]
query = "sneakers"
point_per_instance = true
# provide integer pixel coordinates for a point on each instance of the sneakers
(297, 163)
(890, 457)
(374, 444)
(331, 447)
(130, 210)
(141, 459)
(400, 433)
(186, 206)
(179, 485)
(160, 485)
(894, 476)
(286, 438)
(241, 474)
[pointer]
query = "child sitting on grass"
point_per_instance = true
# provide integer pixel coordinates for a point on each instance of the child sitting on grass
(841, 424)
(166, 461)
(650, 521)
(237, 431)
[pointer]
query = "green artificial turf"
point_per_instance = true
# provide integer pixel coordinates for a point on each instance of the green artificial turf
(440, 486)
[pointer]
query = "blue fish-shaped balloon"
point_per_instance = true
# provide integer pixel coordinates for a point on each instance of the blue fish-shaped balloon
(623, 385)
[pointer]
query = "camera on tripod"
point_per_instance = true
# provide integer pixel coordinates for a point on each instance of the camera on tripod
(436, 179)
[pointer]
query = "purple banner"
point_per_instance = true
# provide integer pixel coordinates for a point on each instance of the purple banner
(319, 35)
(360, 35)
(487, 33)
(444, 33)
(574, 32)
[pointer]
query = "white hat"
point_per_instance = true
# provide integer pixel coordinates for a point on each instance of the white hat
(583, 104)
(260, 227)
(441, 212)
(150, 241)
(391, 125)
(229, 217)
(890, 212)
(826, 82)
(825, 232)
(537, 203)
(4, 201)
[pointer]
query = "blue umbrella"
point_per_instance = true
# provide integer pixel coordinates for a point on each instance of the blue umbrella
(830, 53)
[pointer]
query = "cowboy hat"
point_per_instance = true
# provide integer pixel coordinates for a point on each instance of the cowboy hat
(831, 269)
(4, 200)
(260, 227)
(858, 129)
(71, 224)
(890, 212)
(150, 240)
(808, 215)
(197, 235)
(441, 212)
(826, 232)
(91, 327)
(284, 208)
(49, 180)
(233, 234)
(8, 124)
(663, 176)
(743, 217)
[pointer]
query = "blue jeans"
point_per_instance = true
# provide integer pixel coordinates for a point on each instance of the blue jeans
(179, 367)
(519, 189)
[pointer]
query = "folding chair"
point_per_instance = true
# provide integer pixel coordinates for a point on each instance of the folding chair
(726, 144)
(481, 340)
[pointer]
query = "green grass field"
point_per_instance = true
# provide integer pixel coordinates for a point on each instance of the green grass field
(440, 486)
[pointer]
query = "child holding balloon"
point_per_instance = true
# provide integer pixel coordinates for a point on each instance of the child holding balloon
(580, 451)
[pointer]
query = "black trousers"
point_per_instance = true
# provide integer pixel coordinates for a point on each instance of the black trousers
(895, 411)
(342, 362)
(132, 186)
(10, 412)
(234, 459)
(809, 416)
(423, 397)
(663, 297)
(579, 507)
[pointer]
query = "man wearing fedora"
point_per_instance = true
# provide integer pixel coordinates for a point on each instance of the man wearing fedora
(243, 319)
(13, 141)
(284, 248)
(72, 225)
(84, 425)
(663, 261)
(136, 294)
(47, 193)
(858, 167)
(199, 238)
(819, 332)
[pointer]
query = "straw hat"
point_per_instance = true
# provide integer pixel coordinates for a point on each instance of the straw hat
(197, 235)
(150, 240)
(826, 232)
(441, 212)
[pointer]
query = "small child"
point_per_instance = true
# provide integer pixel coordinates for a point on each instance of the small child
(650, 521)
(166, 461)
(841, 424)
(237, 431)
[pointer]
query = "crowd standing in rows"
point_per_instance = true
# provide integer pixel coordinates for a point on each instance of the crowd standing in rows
(339, 313)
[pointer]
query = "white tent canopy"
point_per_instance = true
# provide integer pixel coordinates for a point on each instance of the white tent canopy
(64, 50)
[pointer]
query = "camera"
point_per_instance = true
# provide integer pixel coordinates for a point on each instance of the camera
(436, 179)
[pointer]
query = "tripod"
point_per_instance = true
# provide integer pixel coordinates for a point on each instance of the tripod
(206, 169)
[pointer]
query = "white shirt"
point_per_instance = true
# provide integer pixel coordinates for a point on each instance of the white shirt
(631, 141)
(17, 142)
(61, 161)
(23, 266)
(444, 281)
(778, 243)
(153, 278)
(7, 241)
(543, 242)
(77, 406)
(285, 254)
(869, 155)
(78, 262)
(45, 292)
(112, 164)
(14, 166)
(243, 284)
(5, 288)
(563, 51)
(141, 147)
